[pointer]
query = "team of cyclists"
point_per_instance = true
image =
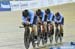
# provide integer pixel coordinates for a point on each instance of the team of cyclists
(41, 26)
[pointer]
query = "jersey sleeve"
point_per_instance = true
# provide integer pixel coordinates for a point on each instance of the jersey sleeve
(55, 19)
(61, 18)
(23, 19)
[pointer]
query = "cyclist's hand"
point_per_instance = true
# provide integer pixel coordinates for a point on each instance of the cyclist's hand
(58, 22)
(47, 19)
(27, 22)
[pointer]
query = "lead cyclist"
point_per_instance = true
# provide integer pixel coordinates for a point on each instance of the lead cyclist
(27, 20)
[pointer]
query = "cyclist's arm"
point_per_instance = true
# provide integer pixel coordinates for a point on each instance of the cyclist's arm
(60, 19)
(23, 19)
(56, 20)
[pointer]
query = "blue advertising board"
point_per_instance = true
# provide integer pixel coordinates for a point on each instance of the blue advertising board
(5, 6)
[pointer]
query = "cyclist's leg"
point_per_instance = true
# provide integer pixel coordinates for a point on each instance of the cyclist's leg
(56, 33)
(43, 33)
(44, 40)
(35, 30)
(38, 34)
(45, 26)
(61, 29)
(61, 32)
(34, 35)
(52, 32)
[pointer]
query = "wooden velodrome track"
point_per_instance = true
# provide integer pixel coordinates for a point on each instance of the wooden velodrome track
(11, 36)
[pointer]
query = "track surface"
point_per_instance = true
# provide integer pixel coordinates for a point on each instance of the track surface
(11, 36)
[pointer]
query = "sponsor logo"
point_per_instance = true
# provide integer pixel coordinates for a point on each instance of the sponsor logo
(5, 6)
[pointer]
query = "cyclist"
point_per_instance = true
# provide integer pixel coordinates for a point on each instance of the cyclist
(41, 27)
(27, 20)
(34, 31)
(59, 21)
(50, 27)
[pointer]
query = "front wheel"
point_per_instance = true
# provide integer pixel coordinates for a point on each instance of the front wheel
(26, 42)
(58, 35)
(27, 38)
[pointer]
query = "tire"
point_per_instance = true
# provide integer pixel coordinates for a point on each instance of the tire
(50, 34)
(56, 39)
(26, 42)
(57, 35)
(60, 39)
(51, 38)
(27, 38)
(39, 36)
(33, 40)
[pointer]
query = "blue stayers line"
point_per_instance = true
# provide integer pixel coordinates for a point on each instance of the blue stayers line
(70, 45)
(63, 47)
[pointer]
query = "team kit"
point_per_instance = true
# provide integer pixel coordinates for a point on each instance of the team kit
(42, 25)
